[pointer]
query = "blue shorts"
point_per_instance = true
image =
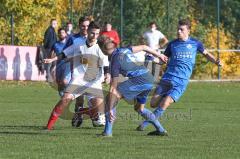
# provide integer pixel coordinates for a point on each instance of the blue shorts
(63, 72)
(137, 88)
(172, 89)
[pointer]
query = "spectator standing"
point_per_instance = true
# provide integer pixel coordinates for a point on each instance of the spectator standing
(155, 40)
(50, 38)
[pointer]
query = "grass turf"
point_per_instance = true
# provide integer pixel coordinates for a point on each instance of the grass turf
(203, 124)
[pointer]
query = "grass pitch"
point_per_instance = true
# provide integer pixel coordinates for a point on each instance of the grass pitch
(203, 124)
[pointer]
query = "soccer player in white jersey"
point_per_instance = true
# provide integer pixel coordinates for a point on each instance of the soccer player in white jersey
(87, 78)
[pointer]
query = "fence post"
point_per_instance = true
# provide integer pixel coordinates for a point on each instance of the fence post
(121, 25)
(12, 29)
(218, 45)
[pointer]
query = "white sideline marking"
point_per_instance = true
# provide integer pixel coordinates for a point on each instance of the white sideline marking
(216, 80)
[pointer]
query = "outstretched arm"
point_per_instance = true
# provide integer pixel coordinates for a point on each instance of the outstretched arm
(113, 98)
(151, 51)
(59, 57)
(211, 58)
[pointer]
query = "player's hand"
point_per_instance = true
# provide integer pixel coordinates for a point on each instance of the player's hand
(112, 116)
(47, 60)
(219, 63)
(163, 57)
(107, 78)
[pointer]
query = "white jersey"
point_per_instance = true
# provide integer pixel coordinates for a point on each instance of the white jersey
(153, 38)
(88, 61)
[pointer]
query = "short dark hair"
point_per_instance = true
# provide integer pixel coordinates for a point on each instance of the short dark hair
(60, 29)
(93, 25)
(185, 22)
(107, 22)
(103, 40)
(53, 19)
(69, 22)
(83, 19)
(153, 23)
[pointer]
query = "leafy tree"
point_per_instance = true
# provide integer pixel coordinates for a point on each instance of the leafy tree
(31, 18)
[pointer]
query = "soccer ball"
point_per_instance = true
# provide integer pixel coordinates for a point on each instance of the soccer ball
(99, 121)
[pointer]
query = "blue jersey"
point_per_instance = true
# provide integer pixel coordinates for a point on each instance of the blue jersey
(182, 56)
(76, 39)
(124, 62)
(58, 48)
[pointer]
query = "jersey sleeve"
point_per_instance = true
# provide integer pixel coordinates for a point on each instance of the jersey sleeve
(103, 61)
(69, 42)
(200, 47)
(71, 51)
(167, 52)
(115, 67)
(160, 35)
(145, 35)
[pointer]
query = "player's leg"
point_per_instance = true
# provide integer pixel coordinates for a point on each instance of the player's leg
(156, 71)
(155, 100)
(172, 96)
(96, 107)
(161, 91)
(148, 115)
(77, 118)
(110, 112)
(58, 109)
(158, 112)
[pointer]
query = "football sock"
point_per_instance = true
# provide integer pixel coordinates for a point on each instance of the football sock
(158, 112)
(149, 116)
(109, 121)
(56, 112)
(108, 125)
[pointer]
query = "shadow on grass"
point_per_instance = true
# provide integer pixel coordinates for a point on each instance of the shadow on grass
(28, 127)
(19, 133)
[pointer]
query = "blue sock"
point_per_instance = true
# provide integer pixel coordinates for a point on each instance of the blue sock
(109, 124)
(150, 117)
(158, 112)
(108, 128)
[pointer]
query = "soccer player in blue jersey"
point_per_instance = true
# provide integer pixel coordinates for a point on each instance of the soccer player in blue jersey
(182, 54)
(63, 69)
(138, 85)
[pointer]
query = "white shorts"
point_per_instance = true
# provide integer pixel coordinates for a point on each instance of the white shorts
(78, 87)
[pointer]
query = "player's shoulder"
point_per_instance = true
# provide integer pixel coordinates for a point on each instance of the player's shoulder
(194, 40)
(173, 42)
(124, 50)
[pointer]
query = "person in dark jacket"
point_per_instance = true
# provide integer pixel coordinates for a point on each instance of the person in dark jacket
(50, 39)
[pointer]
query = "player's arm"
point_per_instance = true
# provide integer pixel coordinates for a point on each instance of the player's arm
(113, 97)
(59, 57)
(68, 53)
(146, 48)
(163, 42)
(211, 58)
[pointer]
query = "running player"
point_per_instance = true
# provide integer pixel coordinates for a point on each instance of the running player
(182, 54)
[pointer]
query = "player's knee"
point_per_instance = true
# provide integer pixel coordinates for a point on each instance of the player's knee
(67, 98)
(154, 102)
(65, 82)
(164, 104)
(139, 107)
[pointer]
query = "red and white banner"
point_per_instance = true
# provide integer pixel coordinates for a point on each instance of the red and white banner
(18, 63)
